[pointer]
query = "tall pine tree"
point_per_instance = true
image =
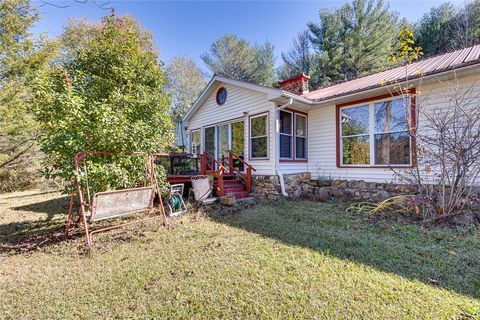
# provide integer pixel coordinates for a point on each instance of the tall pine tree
(237, 59)
(299, 58)
(354, 40)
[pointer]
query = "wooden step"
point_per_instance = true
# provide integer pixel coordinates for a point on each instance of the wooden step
(227, 176)
(239, 195)
(228, 182)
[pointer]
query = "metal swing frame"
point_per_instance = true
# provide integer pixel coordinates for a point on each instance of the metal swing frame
(135, 200)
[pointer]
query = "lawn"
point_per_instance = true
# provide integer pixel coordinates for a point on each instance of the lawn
(275, 260)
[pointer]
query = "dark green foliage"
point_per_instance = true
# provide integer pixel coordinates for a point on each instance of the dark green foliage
(236, 58)
(109, 96)
(447, 27)
(300, 58)
(352, 41)
(21, 57)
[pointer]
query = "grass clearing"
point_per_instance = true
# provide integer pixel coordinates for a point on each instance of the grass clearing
(276, 260)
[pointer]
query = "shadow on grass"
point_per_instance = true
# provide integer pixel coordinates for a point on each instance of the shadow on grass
(51, 207)
(441, 257)
(25, 236)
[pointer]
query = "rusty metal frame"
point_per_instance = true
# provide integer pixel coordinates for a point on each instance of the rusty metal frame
(83, 203)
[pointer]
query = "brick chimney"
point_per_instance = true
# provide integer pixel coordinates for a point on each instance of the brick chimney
(297, 85)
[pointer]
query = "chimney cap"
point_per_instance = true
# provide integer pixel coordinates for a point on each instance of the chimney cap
(301, 76)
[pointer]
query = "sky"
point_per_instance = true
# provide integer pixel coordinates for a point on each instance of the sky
(189, 27)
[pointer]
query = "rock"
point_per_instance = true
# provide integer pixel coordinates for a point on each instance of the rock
(324, 182)
(465, 219)
(228, 200)
(322, 195)
(258, 196)
(382, 195)
(297, 194)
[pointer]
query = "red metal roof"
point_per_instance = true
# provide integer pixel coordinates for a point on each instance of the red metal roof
(432, 65)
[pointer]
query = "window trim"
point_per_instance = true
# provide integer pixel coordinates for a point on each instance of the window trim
(250, 145)
(304, 136)
(369, 101)
(294, 129)
(291, 135)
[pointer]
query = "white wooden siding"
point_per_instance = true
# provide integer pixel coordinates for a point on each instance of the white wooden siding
(239, 101)
(322, 133)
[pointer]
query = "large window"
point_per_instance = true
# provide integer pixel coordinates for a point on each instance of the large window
(195, 145)
(259, 137)
(376, 133)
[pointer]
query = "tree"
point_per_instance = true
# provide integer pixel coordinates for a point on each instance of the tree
(21, 57)
(236, 58)
(434, 30)
(447, 27)
(110, 96)
(298, 59)
(185, 81)
(354, 40)
(77, 33)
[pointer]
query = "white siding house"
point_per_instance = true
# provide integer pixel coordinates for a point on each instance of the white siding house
(311, 131)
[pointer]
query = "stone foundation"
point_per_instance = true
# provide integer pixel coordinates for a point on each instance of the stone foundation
(301, 185)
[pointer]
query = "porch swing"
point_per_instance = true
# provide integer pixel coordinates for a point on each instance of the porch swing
(115, 203)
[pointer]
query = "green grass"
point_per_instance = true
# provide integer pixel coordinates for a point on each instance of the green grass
(276, 260)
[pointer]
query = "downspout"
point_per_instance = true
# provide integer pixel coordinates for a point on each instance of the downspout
(277, 146)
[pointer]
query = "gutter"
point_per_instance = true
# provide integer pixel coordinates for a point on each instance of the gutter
(277, 147)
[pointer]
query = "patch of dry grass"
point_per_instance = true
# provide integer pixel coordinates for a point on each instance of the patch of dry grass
(292, 260)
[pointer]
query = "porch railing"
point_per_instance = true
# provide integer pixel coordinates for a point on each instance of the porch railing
(247, 175)
(208, 164)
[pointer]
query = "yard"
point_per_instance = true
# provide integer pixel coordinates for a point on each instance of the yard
(284, 260)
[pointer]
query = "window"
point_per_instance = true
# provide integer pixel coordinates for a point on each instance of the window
(355, 135)
(286, 134)
(259, 137)
(392, 139)
(293, 135)
(195, 145)
(209, 136)
(375, 133)
(300, 136)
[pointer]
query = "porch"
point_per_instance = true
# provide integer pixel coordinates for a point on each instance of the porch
(232, 175)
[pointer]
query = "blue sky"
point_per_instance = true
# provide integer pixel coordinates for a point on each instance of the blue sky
(189, 27)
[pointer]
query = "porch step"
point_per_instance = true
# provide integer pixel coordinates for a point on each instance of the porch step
(228, 176)
(229, 182)
(238, 195)
(229, 188)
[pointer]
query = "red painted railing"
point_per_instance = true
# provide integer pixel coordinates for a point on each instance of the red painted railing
(208, 165)
(247, 175)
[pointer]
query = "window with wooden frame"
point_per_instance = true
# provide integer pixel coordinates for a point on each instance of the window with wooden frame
(286, 134)
(292, 135)
(259, 136)
(375, 133)
(300, 136)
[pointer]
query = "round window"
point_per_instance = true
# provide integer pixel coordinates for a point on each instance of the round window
(221, 95)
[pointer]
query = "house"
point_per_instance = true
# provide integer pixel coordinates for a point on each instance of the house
(355, 130)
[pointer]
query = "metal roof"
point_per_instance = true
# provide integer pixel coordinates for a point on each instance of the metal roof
(427, 66)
